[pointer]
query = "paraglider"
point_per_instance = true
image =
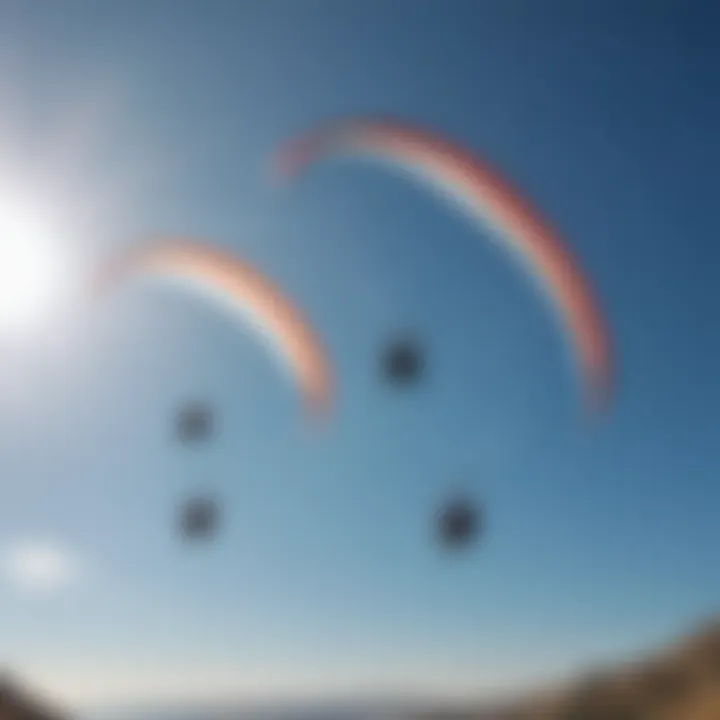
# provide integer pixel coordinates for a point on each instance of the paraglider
(459, 523)
(199, 518)
(402, 362)
(194, 423)
(482, 192)
(245, 290)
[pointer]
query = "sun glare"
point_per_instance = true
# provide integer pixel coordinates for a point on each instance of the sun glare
(33, 274)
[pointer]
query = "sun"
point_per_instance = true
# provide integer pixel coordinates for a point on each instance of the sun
(33, 267)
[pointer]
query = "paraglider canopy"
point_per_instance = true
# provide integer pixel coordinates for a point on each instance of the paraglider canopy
(250, 296)
(483, 193)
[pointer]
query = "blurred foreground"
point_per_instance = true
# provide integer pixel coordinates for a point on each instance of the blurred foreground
(20, 703)
(680, 682)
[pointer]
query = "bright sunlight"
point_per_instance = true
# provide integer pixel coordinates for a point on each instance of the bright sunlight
(33, 270)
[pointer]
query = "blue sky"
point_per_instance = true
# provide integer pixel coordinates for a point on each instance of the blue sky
(141, 118)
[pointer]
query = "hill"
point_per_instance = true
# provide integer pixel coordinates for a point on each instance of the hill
(18, 702)
(679, 682)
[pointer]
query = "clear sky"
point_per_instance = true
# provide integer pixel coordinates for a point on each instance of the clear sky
(125, 120)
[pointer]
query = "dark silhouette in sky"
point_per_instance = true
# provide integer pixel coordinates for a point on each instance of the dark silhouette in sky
(403, 362)
(459, 523)
(199, 518)
(195, 423)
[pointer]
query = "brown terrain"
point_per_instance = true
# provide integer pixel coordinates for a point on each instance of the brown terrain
(680, 682)
(18, 702)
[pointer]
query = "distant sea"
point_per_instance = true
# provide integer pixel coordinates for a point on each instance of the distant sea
(334, 711)
(350, 711)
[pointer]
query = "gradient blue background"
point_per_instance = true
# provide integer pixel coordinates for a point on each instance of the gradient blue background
(598, 544)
